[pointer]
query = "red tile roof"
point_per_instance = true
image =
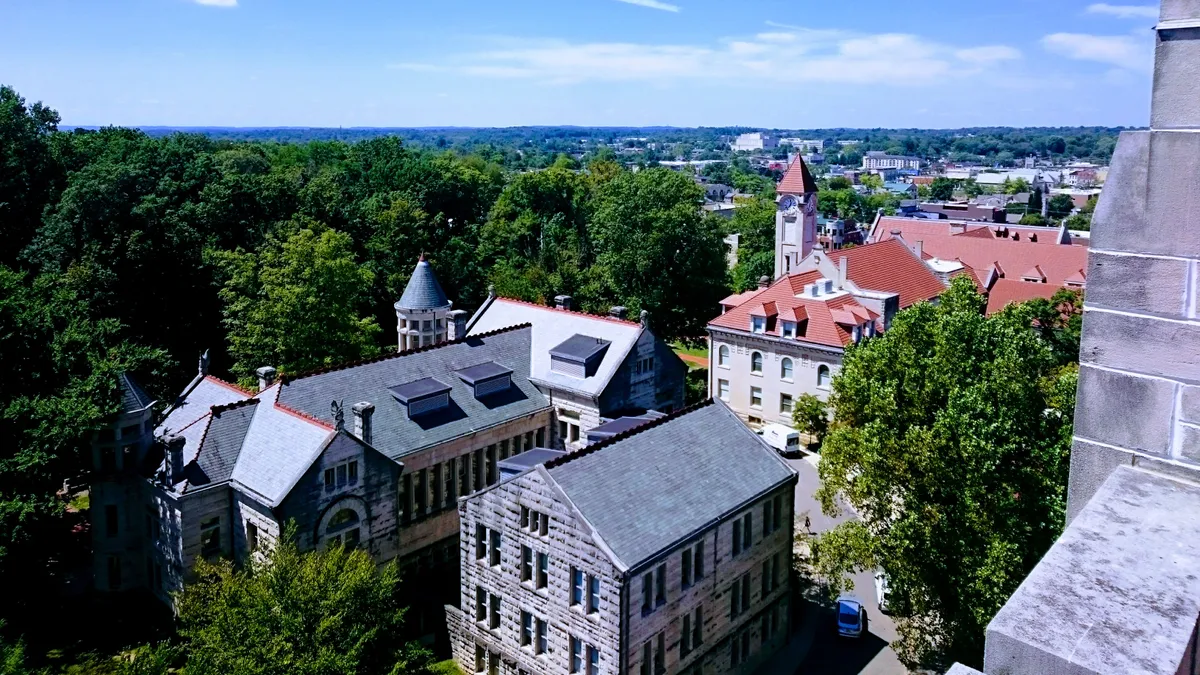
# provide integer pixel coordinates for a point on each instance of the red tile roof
(889, 267)
(798, 180)
(1007, 291)
(822, 321)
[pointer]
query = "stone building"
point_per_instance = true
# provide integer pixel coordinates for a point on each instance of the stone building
(664, 549)
(592, 368)
(1119, 591)
(773, 344)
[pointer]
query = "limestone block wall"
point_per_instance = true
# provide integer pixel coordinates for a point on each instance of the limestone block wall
(806, 361)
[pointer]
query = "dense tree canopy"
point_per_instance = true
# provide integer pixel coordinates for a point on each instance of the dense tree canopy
(950, 440)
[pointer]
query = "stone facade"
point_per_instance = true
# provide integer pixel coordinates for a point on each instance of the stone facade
(733, 380)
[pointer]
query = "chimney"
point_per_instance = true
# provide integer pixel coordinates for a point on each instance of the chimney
(173, 454)
(763, 282)
(456, 325)
(362, 419)
(617, 312)
(266, 377)
(562, 302)
(843, 272)
(895, 233)
(919, 249)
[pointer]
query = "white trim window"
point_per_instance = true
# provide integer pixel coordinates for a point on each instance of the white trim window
(823, 377)
(788, 329)
(723, 356)
(787, 370)
(756, 363)
(758, 324)
(723, 390)
(756, 398)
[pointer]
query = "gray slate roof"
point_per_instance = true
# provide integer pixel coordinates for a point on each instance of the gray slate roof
(222, 443)
(133, 398)
(646, 492)
(394, 434)
(423, 290)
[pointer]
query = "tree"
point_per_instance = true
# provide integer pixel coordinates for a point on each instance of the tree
(754, 222)
(942, 189)
(871, 181)
(840, 183)
(972, 188)
(950, 439)
(655, 252)
(811, 415)
(328, 611)
(1060, 206)
(1032, 218)
(1013, 187)
(1079, 221)
(295, 304)
(1035, 202)
(28, 172)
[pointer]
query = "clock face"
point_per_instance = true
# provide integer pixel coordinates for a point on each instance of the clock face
(788, 203)
(810, 207)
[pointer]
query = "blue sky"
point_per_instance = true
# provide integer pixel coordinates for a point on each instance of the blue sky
(768, 63)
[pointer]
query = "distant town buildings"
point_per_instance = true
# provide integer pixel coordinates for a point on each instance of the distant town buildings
(665, 548)
(881, 160)
(755, 141)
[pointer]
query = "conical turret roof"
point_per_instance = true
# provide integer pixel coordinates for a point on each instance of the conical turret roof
(423, 290)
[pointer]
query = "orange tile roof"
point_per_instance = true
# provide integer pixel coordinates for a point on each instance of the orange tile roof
(798, 180)
(1007, 291)
(817, 318)
(889, 267)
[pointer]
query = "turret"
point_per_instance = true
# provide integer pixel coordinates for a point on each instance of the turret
(422, 310)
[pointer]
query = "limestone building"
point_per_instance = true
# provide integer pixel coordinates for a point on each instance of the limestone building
(664, 549)
(592, 368)
(1119, 591)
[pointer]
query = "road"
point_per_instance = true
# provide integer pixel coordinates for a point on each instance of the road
(828, 653)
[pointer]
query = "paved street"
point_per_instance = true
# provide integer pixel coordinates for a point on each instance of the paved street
(826, 652)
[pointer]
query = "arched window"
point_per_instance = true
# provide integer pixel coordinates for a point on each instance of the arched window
(823, 377)
(723, 356)
(343, 529)
(785, 369)
(756, 363)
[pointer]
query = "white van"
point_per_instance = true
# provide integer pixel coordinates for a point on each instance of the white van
(784, 439)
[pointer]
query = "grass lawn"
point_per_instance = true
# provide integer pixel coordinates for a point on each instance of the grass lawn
(701, 352)
(447, 667)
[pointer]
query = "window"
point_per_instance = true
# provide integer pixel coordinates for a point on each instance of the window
(785, 369)
(464, 475)
(723, 390)
(789, 329)
(422, 492)
(341, 475)
(723, 356)
(777, 516)
(593, 661)
(685, 568)
(756, 397)
(448, 484)
(770, 623)
(691, 633)
(697, 628)
(112, 524)
(494, 614)
(576, 587)
(739, 596)
(343, 529)
(480, 603)
(647, 658)
(737, 537)
(494, 548)
(660, 586)
(768, 576)
(698, 561)
(481, 533)
(329, 479)
(251, 537)
(823, 377)
(648, 592)
(404, 497)
(480, 658)
(436, 484)
(739, 648)
(210, 537)
(660, 654)
(747, 531)
(756, 363)
(526, 629)
(543, 570)
(785, 404)
(593, 594)
(758, 324)
(542, 638)
(526, 563)
(576, 655)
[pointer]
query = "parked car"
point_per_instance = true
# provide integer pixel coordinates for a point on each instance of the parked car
(881, 591)
(851, 617)
(784, 439)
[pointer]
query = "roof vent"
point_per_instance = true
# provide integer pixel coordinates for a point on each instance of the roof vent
(578, 356)
(487, 378)
(422, 396)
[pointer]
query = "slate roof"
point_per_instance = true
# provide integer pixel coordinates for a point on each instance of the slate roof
(423, 290)
(393, 433)
(798, 180)
(133, 398)
(579, 348)
(553, 326)
(649, 489)
(221, 444)
(197, 405)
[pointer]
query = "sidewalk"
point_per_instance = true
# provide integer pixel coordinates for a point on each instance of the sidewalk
(792, 655)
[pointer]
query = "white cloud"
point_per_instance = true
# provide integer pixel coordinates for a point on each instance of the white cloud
(1123, 51)
(217, 3)
(1124, 11)
(652, 4)
(797, 55)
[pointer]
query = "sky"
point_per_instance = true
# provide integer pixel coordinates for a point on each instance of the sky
(788, 64)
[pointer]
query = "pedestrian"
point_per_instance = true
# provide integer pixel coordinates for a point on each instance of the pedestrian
(807, 525)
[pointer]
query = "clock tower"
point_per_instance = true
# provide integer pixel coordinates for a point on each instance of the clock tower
(796, 219)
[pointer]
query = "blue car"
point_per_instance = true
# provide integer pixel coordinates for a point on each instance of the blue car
(851, 617)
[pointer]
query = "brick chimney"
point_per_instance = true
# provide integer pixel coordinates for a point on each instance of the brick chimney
(173, 454)
(618, 312)
(844, 272)
(266, 377)
(362, 419)
(456, 325)
(562, 302)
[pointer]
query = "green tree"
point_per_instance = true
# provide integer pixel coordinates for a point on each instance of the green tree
(296, 303)
(1032, 218)
(1017, 186)
(972, 188)
(950, 439)
(1060, 207)
(328, 611)
(754, 222)
(1079, 221)
(28, 171)
(811, 415)
(942, 189)
(655, 252)
(840, 183)
(871, 181)
(1035, 202)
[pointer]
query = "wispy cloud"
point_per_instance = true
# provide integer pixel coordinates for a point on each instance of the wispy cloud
(217, 3)
(794, 55)
(1123, 51)
(1124, 11)
(652, 4)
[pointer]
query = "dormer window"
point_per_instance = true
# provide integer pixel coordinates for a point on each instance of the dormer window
(423, 396)
(857, 334)
(788, 330)
(486, 378)
(758, 324)
(578, 356)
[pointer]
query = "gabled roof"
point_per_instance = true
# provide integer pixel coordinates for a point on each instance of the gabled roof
(133, 398)
(798, 180)
(551, 328)
(198, 404)
(221, 444)
(423, 290)
(890, 267)
(817, 322)
(647, 490)
(393, 432)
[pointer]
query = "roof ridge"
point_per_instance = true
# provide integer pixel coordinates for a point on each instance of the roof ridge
(298, 413)
(187, 484)
(220, 408)
(230, 385)
(602, 317)
(594, 447)
(288, 378)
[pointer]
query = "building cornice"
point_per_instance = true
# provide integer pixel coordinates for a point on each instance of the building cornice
(773, 340)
